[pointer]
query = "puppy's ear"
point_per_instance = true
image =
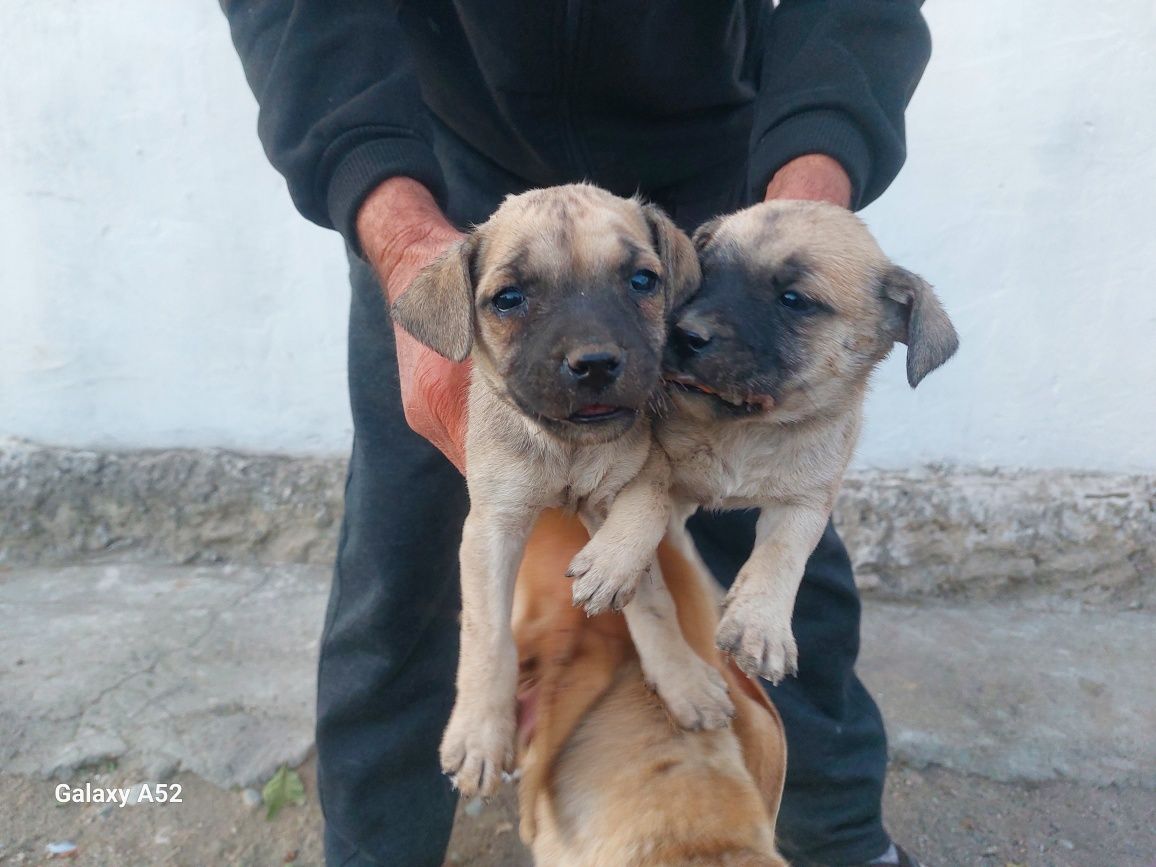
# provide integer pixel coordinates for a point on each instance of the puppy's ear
(920, 321)
(438, 306)
(679, 259)
(704, 234)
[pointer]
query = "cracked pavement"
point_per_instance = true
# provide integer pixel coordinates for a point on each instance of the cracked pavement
(204, 669)
(210, 670)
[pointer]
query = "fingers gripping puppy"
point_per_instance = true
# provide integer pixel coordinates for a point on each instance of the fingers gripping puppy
(561, 300)
(768, 367)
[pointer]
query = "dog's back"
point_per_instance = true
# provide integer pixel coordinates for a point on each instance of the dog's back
(608, 779)
(630, 788)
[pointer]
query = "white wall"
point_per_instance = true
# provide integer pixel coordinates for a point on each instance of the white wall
(157, 289)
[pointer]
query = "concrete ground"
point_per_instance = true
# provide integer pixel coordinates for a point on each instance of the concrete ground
(1022, 734)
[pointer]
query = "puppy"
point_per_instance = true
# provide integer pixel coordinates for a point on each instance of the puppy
(768, 367)
(561, 301)
(607, 779)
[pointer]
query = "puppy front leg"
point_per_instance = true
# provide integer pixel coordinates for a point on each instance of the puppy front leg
(756, 627)
(692, 689)
(479, 740)
(607, 570)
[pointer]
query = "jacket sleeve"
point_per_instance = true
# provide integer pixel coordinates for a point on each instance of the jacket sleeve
(340, 109)
(836, 78)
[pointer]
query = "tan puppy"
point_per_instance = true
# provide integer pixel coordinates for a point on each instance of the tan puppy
(769, 365)
(608, 779)
(561, 300)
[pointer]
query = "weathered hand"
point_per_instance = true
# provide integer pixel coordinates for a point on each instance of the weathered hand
(402, 230)
(813, 177)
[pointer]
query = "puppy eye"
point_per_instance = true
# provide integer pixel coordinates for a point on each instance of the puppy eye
(795, 301)
(644, 282)
(510, 298)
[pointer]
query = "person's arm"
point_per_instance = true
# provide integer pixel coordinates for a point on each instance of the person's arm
(836, 78)
(341, 118)
(402, 230)
(814, 177)
(340, 108)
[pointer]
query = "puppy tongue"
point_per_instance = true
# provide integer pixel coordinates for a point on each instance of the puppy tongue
(595, 409)
(690, 382)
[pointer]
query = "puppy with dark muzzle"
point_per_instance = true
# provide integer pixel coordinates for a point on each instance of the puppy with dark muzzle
(768, 367)
(561, 300)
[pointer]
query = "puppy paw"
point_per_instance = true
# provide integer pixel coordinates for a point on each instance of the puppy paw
(761, 644)
(601, 583)
(694, 692)
(476, 750)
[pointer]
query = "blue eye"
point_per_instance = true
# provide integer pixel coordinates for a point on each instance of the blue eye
(796, 301)
(510, 298)
(644, 282)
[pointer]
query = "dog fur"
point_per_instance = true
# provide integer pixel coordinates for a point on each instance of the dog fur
(768, 368)
(608, 780)
(561, 301)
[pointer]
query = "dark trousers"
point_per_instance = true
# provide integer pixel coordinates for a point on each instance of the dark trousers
(390, 646)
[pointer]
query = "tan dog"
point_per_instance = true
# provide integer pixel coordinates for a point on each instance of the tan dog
(561, 300)
(608, 779)
(769, 366)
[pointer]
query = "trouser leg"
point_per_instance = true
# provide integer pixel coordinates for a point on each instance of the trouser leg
(390, 645)
(836, 746)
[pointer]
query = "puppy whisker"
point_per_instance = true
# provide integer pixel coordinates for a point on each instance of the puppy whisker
(659, 405)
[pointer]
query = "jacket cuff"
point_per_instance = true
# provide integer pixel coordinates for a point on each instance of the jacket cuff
(817, 131)
(361, 170)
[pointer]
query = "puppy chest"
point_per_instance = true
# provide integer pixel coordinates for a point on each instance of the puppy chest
(723, 478)
(596, 474)
(722, 488)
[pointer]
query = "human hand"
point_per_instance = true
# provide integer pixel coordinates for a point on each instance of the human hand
(401, 230)
(813, 177)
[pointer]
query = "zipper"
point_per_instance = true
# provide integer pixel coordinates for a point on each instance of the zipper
(570, 37)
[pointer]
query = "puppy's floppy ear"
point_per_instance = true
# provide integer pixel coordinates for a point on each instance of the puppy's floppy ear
(704, 234)
(919, 321)
(679, 259)
(438, 306)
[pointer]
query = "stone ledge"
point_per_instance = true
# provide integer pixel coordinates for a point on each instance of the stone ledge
(981, 534)
(954, 532)
(180, 506)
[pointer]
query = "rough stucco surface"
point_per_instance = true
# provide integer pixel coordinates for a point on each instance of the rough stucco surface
(968, 534)
(972, 534)
(181, 506)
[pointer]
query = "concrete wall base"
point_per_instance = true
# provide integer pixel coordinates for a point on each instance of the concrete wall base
(936, 531)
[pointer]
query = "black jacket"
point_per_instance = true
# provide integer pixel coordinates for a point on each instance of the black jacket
(633, 94)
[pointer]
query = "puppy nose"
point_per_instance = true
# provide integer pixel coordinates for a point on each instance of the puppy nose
(689, 337)
(595, 366)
